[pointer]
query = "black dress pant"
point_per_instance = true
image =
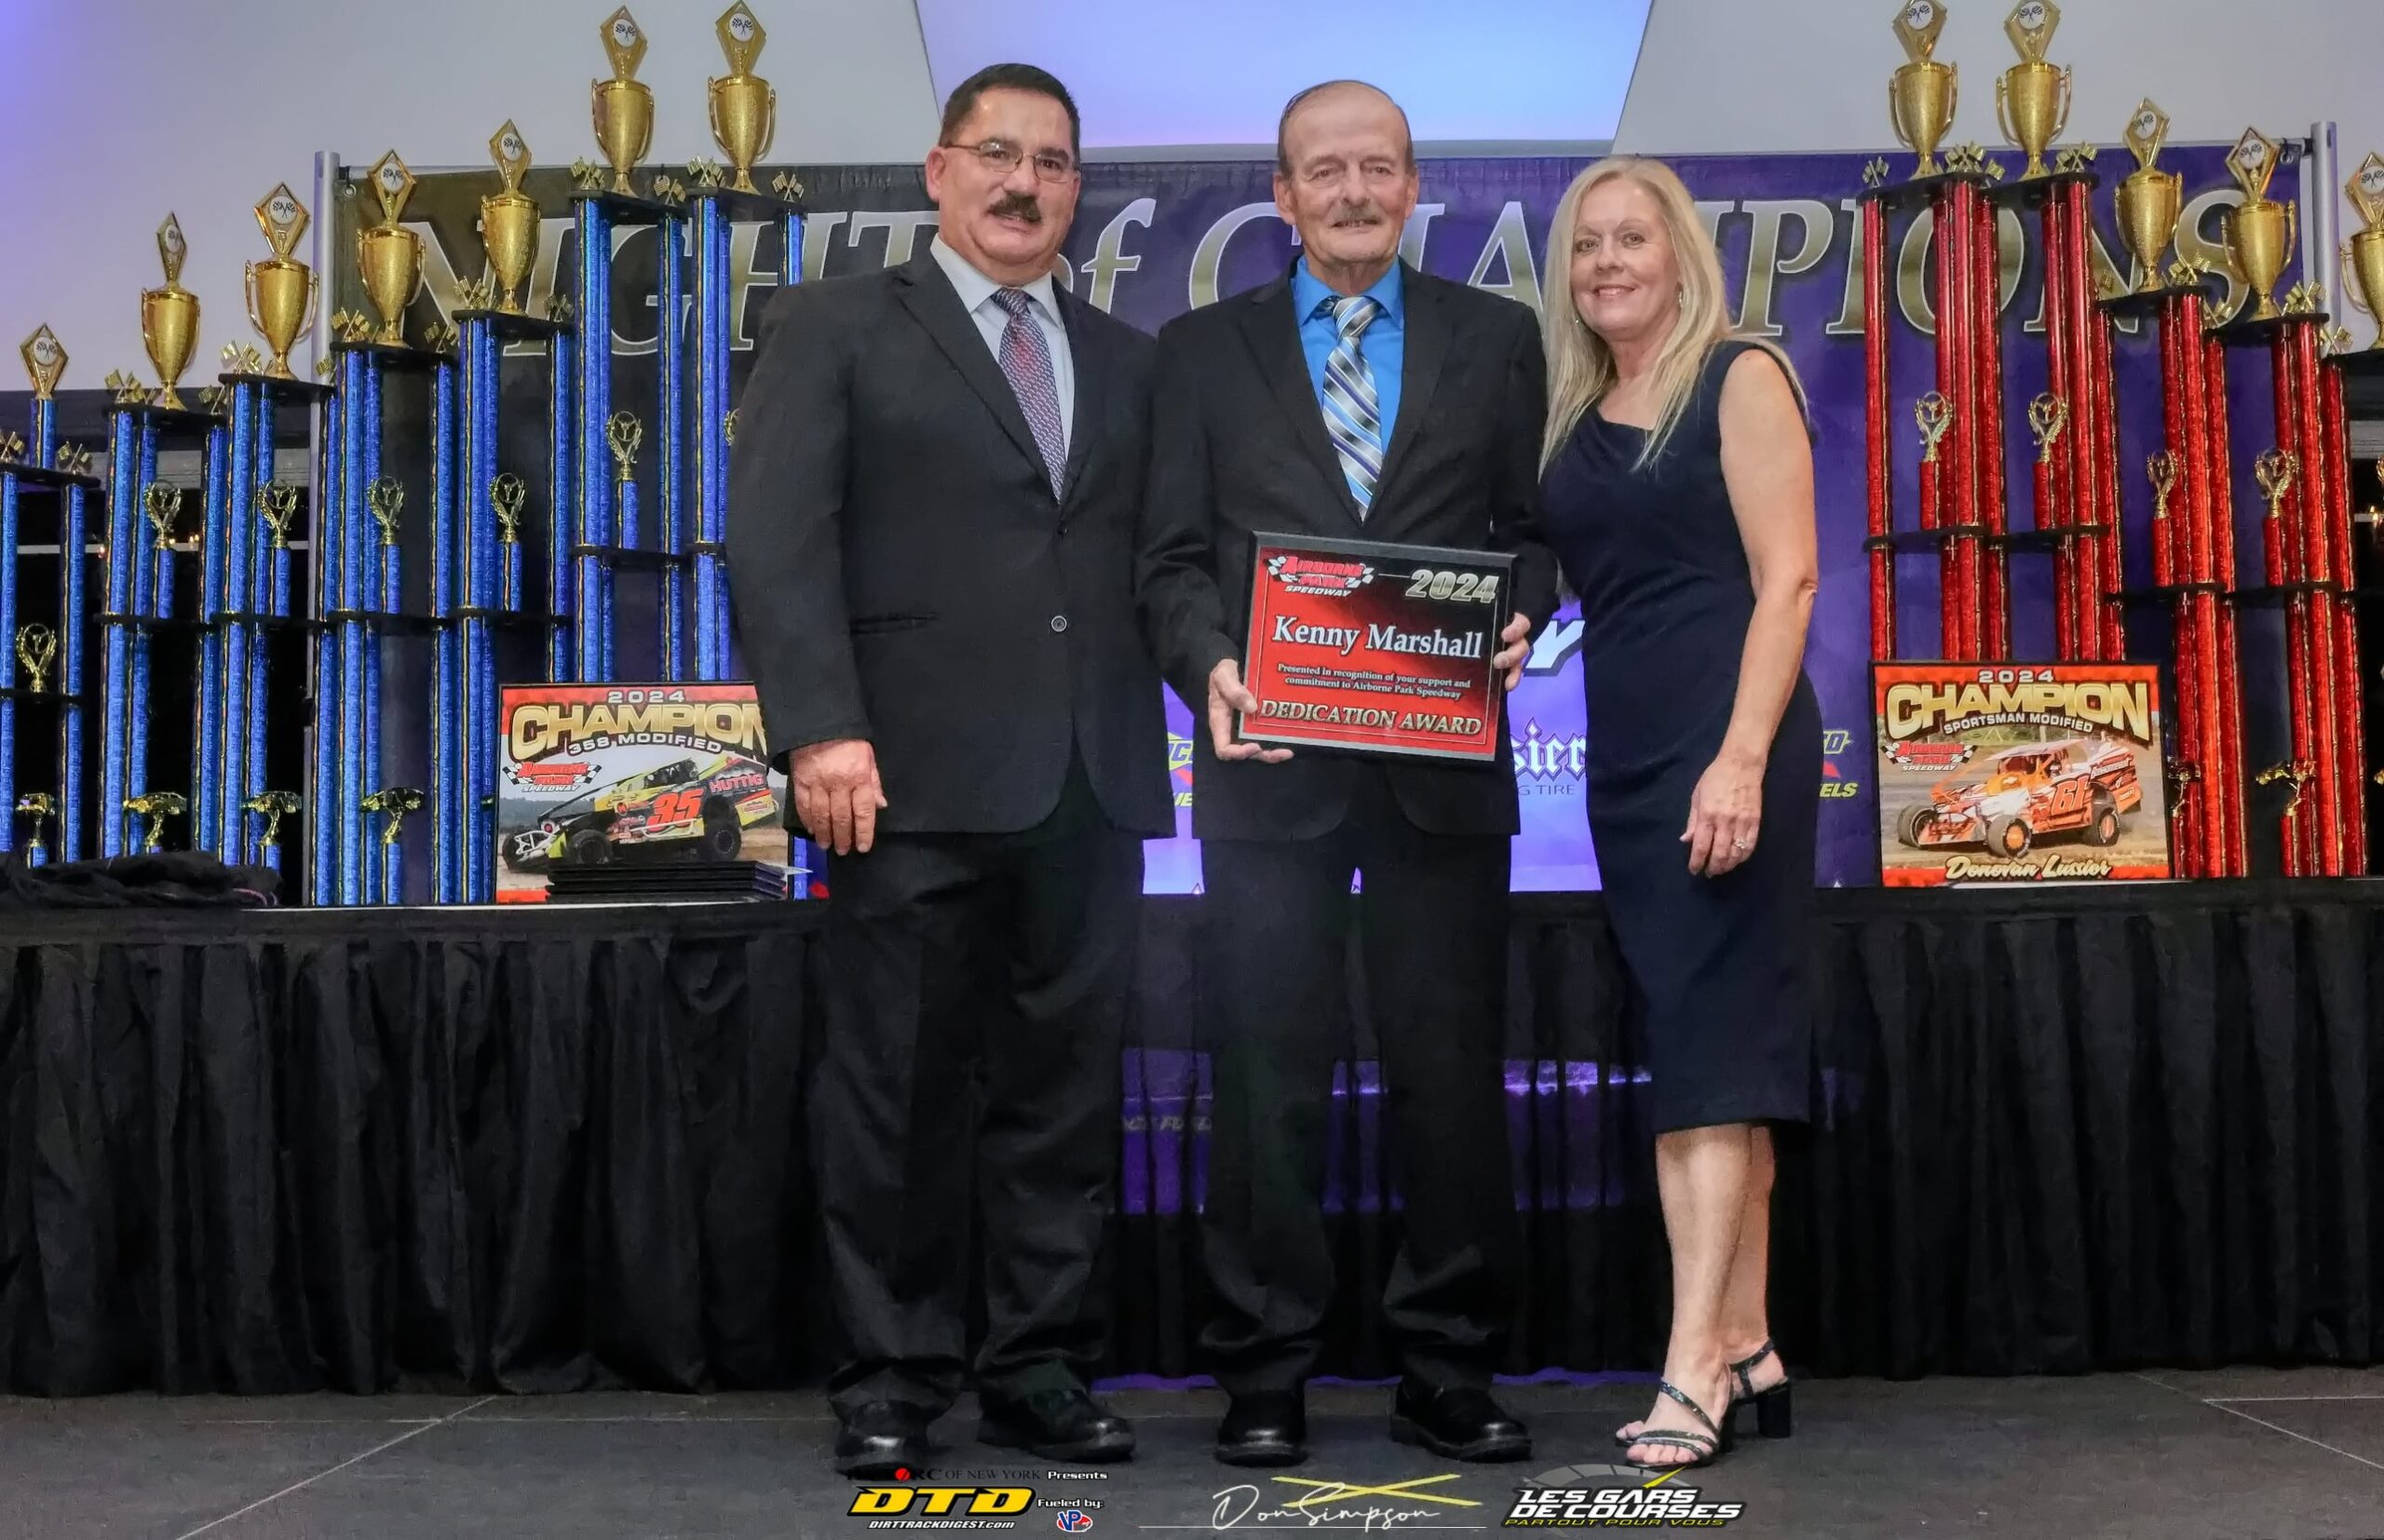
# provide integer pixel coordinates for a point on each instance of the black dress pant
(976, 988)
(1432, 924)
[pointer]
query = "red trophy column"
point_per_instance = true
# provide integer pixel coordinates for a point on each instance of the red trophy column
(2350, 727)
(1877, 319)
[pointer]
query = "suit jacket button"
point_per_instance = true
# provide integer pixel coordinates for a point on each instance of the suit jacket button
(1059, 623)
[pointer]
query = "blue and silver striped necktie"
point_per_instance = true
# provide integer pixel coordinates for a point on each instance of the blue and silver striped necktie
(1352, 413)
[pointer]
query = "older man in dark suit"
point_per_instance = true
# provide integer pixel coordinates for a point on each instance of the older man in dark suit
(1354, 397)
(930, 550)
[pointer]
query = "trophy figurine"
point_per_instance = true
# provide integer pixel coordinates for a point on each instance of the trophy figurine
(506, 495)
(2366, 250)
(390, 257)
(2032, 97)
(385, 497)
(34, 807)
(623, 433)
(397, 802)
(1922, 93)
(509, 221)
(272, 806)
(45, 362)
(36, 645)
(744, 108)
(281, 288)
(169, 316)
(278, 503)
(163, 505)
(623, 105)
(2259, 231)
(154, 809)
(2148, 201)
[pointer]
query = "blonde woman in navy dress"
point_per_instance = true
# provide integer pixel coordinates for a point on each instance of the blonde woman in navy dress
(1678, 486)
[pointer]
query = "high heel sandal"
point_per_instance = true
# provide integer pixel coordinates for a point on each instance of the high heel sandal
(1706, 1447)
(1773, 1418)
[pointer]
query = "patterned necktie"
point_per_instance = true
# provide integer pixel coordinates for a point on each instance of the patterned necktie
(1352, 413)
(1027, 359)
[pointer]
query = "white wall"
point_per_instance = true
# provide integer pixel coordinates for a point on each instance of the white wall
(114, 112)
(1753, 74)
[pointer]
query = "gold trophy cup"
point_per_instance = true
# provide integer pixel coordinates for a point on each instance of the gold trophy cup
(45, 362)
(744, 108)
(509, 221)
(1922, 93)
(2148, 201)
(2366, 252)
(169, 316)
(2032, 97)
(623, 105)
(281, 288)
(2259, 231)
(390, 257)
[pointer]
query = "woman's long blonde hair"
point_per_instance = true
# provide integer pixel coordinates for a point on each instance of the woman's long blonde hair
(1580, 364)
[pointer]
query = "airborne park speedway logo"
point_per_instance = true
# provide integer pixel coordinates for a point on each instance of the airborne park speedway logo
(1329, 580)
(2019, 773)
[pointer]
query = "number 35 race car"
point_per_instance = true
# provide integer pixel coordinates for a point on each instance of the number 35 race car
(680, 808)
(2078, 787)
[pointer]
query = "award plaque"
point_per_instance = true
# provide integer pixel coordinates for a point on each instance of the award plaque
(1376, 649)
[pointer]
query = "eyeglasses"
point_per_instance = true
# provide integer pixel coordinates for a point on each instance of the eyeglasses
(1002, 159)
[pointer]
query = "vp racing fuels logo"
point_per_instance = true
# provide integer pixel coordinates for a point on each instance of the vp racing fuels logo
(1306, 574)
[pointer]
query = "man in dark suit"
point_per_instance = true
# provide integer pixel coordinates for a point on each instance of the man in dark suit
(930, 550)
(1360, 398)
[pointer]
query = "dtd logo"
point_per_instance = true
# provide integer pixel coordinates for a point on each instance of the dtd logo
(878, 1501)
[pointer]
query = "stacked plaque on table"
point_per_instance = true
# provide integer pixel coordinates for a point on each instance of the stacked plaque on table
(697, 880)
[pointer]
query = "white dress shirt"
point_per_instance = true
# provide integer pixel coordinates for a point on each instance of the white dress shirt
(976, 292)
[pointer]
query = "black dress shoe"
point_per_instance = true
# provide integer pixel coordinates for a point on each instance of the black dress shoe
(1266, 1427)
(883, 1441)
(1462, 1423)
(1057, 1425)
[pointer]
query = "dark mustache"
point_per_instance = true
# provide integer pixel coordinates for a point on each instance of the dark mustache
(1020, 206)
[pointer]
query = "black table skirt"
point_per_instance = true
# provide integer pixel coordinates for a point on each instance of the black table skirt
(560, 1148)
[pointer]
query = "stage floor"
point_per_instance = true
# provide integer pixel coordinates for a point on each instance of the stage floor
(2223, 1453)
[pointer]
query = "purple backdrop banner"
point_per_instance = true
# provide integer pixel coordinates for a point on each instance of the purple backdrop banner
(1154, 239)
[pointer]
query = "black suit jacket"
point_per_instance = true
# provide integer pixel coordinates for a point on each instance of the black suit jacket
(1239, 447)
(901, 572)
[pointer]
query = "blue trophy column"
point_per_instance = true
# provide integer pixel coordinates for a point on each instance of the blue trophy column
(330, 652)
(595, 490)
(670, 438)
(711, 434)
(206, 753)
(231, 599)
(123, 521)
(446, 665)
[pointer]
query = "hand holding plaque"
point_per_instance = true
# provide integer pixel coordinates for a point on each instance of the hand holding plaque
(1376, 649)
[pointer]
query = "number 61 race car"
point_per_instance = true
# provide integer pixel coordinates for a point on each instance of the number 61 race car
(680, 808)
(2039, 789)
